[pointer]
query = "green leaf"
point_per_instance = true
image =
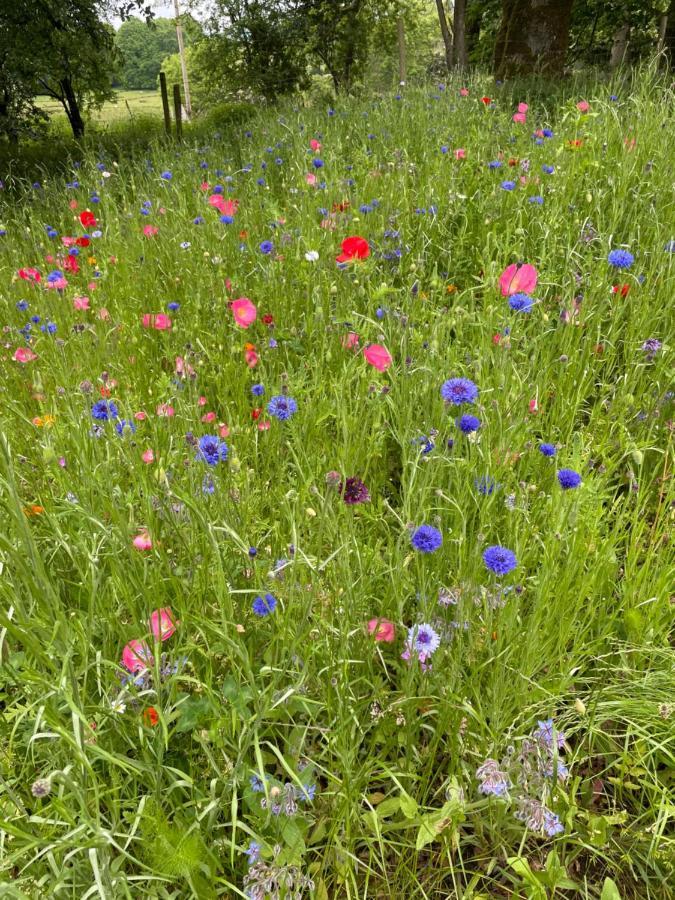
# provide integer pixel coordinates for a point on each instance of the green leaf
(408, 806)
(193, 713)
(388, 807)
(610, 891)
(426, 834)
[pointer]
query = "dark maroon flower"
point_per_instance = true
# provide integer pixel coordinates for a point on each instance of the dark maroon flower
(354, 491)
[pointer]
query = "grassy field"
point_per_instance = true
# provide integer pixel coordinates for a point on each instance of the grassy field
(127, 104)
(337, 498)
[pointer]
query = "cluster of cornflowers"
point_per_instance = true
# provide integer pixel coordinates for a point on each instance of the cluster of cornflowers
(527, 777)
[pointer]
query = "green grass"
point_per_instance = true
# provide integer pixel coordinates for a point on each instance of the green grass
(149, 788)
(126, 106)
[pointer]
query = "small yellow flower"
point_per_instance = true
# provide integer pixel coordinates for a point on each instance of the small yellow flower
(91, 260)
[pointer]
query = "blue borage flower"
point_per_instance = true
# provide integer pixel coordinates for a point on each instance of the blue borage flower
(426, 539)
(568, 479)
(212, 450)
(263, 606)
(500, 560)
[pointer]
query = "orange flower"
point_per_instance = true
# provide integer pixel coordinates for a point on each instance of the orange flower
(33, 510)
(451, 289)
(150, 717)
(243, 235)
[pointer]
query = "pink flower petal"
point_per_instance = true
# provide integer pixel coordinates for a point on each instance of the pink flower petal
(378, 356)
(382, 630)
(136, 656)
(24, 355)
(244, 312)
(518, 278)
(162, 623)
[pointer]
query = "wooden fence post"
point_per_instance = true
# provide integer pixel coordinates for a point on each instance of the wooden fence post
(178, 111)
(165, 103)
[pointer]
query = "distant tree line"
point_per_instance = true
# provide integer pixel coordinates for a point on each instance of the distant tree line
(267, 48)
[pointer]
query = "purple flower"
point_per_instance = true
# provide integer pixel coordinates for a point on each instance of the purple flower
(547, 449)
(423, 640)
(212, 450)
(263, 606)
(492, 779)
(521, 303)
(354, 491)
(651, 347)
(282, 407)
(467, 424)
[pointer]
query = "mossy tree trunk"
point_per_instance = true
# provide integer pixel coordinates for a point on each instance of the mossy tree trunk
(533, 37)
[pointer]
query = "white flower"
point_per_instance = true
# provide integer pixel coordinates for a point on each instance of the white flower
(117, 705)
(311, 256)
(106, 174)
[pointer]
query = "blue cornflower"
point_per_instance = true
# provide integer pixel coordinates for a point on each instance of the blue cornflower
(56, 275)
(282, 407)
(212, 450)
(166, 176)
(261, 182)
(252, 552)
(124, 426)
(266, 247)
(458, 391)
(500, 560)
(547, 449)
(173, 306)
(444, 149)
(317, 163)
(620, 259)
(263, 606)
(22, 305)
(198, 220)
(508, 185)
(426, 539)
(258, 390)
(424, 639)
(208, 485)
(227, 220)
(547, 132)
(670, 247)
(568, 479)
(104, 410)
(217, 189)
(468, 424)
(495, 164)
(549, 170)
(536, 199)
(521, 303)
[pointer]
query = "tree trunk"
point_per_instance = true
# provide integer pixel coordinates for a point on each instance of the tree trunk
(619, 52)
(72, 108)
(533, 37)
(459, 29)
(400, 27)
(445, 31)
(669, 35)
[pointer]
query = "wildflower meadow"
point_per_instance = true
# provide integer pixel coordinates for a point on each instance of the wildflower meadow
(337, 503)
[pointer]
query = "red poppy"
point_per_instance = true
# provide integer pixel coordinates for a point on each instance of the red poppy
(255, 414)
(150, 716)
(105, 392)
(486, 100)
(87, 219)
(354, 247)
(621, 289)
(82, 242)
(268, 319)
(71, 265)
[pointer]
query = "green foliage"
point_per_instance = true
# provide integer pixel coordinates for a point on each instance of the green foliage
(143, 46)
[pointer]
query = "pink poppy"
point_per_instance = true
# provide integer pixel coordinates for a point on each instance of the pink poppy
(251, 358)
(519, 118)
(58, 284)
(103, 313)
(523, 107)
(244, 312)
(67, 241)
(534, 406)
(209, 417)
(184, 368)
(136, 656)
(204, 186)
(378, 356)
(140, 416)
(162, 623)
(350, 340)
(310, 178)
(166, 410)
(73, 204)
(148, 456)
(382, 630)
(223, 431)
(216, 201)
(315, 145)
(463, 92)
(264, 426)
(150, 230)
(583, 106)
(229, 207)
(518, 278)
(354, 247)
(142, 541)
(201, 401)
(81, 303)
(460, 153)
(24, 355)
(158, 321)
